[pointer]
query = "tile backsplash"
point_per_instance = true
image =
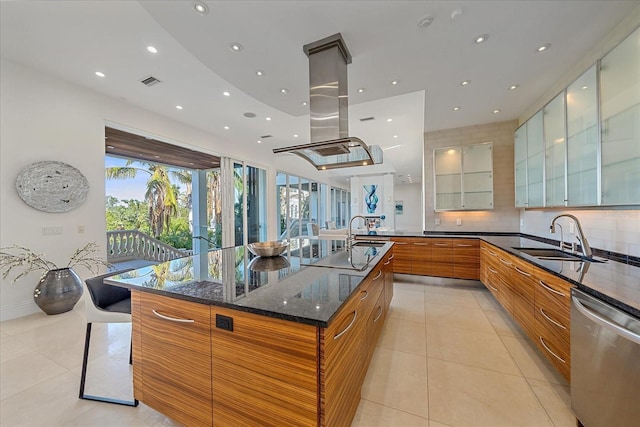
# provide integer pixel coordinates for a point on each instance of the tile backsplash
(609, 230)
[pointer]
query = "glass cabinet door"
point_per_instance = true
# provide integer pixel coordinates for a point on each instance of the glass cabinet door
(448, 179)
(554, 157)
(477, 176)
(620, 125)
(582, 140)
(535, 161)
(520, 156)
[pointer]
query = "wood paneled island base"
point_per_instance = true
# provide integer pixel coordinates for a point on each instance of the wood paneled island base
(205, 365)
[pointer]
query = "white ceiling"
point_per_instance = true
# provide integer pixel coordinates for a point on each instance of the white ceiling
(73, 39)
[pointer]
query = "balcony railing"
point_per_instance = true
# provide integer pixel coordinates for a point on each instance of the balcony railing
(127, 245)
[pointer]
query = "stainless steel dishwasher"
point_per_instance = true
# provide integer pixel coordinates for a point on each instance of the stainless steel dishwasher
(605, 363)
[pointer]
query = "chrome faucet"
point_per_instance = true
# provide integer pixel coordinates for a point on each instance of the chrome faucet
(350, 236)
(586, 249)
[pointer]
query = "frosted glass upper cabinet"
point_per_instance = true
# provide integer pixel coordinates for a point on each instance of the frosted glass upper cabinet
(582, 140)
(535, 161)
(477, 176)
(520, 156)
(620, 122)
(463, 177)
(448, 183)
(554, 156)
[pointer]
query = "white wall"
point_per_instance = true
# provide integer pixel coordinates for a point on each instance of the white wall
(411, 197)
(45, 118)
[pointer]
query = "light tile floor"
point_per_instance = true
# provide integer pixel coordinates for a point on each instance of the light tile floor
(448, 356)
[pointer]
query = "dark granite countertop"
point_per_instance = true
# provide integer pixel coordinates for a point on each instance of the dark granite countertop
(288, 287)
(616, 283)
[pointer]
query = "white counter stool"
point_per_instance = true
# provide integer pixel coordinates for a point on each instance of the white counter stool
(109, 304)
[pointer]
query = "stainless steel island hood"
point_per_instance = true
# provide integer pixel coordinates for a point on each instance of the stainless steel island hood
(331, 146)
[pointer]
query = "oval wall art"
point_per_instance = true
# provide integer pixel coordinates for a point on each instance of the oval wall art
(52, 186)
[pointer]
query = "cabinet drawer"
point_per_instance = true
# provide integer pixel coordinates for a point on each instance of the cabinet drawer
(553, 298)
(183, 324)
(557, 351)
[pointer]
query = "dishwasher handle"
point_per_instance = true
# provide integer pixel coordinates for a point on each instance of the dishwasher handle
(606, 323)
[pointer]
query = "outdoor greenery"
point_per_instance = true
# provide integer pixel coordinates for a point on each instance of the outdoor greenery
(163, 211)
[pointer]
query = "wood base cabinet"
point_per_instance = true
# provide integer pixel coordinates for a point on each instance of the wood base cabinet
(537, 300)
(402, 250)
(207, 365)
(172, 357)
(466, 259)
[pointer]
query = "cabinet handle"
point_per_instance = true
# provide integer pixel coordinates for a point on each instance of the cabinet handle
(495, 289)
(387, 263)
(400, 243)
(355, 314)
(549, 350)
(524, 273)
(173, 319)
(378, 314)
(421, 244)
(492, 270)
(550, 289)
(366, 295)
(463, 246)
(379, 274)
(492, 253)
(391, 257)
(551, 320)
(441, 244)
(504, 261)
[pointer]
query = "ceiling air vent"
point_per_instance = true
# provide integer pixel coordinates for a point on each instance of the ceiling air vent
(366, 119)
(266, 136)
(150, 81)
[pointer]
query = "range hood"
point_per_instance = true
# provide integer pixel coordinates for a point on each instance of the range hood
(331, 146)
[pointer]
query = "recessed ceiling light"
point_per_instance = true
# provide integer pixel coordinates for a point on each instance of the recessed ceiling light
(304, 103)
(481, 38)
(259, 73)
(268, 119)
(395, 136)
(284, 91)
(200, 8)
(425, 21)
(512, 87)
(496, 111)
(585, 87)
(179, 107)
(259, 142)
(361, 90)
(235, 47)
(394, 82)
(465, 82)
(543, 47)
(225, 93)
(226, 128)
(295, 135)
(455, 108)
(152, 49)
(389, 120)
(99, 74)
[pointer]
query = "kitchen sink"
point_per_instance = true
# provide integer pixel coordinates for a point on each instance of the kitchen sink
(553, 255)
(369, 244)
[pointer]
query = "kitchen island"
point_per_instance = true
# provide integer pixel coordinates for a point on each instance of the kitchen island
(227, 338)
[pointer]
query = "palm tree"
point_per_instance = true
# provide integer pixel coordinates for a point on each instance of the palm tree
(161, 195)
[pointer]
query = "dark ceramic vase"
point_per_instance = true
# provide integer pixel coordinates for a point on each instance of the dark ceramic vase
(58, 291)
